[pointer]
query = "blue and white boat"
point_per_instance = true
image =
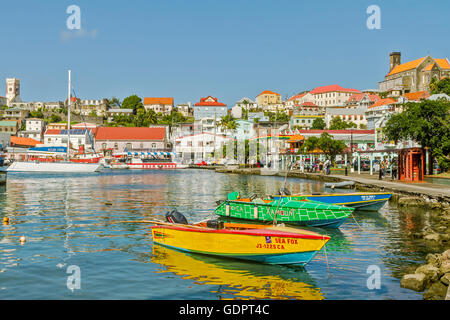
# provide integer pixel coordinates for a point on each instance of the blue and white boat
(369, 201)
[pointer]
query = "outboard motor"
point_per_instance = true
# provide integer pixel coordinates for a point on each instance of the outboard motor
(176, 217)
(284, 191)
(215, 224)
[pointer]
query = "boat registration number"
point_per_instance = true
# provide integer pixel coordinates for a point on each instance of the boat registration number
(366, 198)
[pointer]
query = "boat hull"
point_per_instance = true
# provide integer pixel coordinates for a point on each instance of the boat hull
(257, 245)
(302, 213)
(152, 166)
(19, 166)
(366, 201)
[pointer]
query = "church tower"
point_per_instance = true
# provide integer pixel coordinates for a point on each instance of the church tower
(394, 60)
(12, 89)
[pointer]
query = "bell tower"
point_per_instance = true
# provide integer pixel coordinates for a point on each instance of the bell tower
(394, 60)
(12, 89)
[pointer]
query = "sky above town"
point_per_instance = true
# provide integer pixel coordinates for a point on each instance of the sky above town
(225, 48)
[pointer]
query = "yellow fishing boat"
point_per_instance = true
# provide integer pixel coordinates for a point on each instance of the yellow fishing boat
(261, 243)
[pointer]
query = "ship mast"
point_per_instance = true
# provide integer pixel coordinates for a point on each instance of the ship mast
(68, 120)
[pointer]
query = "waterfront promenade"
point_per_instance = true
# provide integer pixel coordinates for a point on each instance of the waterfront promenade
(437, 191)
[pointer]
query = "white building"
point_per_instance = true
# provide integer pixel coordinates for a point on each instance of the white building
(78, 137)
(332, 96)
(111, 113)
(199, 147)
(159, 105)
(34, 128)
(357, 116)
(378, 110)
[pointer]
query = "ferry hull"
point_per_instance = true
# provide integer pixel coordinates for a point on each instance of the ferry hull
(19, 166)
(154, 166)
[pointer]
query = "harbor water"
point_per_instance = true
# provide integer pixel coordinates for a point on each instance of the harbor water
(77, 222)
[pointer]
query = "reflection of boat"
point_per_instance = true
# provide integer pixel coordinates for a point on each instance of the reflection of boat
(266, 244)
(303, 212)
(239, 279)
(343, 184)
(357, 200)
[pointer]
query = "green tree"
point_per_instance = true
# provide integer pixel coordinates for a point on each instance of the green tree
(228, 122)
(442, 86)
(55, 118)
(37, 114)
(338, 124)
(318, 124)
(278, 117)
(330, 147)
(428, 124)
(113, 102)
(132, 102)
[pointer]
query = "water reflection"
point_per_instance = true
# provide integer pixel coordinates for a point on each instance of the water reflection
(238, 279)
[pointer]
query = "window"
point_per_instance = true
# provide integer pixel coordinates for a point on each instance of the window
(153, 145)
(116, 146)
(129, 146)
(142, 145)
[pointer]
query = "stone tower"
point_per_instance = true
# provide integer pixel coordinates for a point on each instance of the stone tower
(12, 89)
(394, 60)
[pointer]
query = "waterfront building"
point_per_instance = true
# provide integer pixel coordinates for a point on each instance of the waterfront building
(378, 110)
(57, 126)
(414, 96)
(363, 140)
(332, 95)
(267, 98)
(9, 126)
(257, 115)
(208, 113)
(78, 138)
(185, 109)
(414, 75)
(21, 142)
(244, 130)
(361, 100)
(304, 115)
(34, 129)
(111, 113)
(199, 147)
(209, 107)
(357, 116)
(299, 99)
(159, 105)
(15, 114)
(96, 107)
(122, 139)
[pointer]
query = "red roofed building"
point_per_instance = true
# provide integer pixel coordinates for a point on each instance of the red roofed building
(130, 138)
(209, 108)
(23, 142)
(333, 95)
(159, 105)
(363, 100)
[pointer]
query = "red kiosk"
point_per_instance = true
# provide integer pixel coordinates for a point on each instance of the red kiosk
(411, 165)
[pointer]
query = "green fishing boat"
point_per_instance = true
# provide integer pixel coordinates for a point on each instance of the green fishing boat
(300, 212)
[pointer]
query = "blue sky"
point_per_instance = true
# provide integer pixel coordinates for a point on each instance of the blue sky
(195, 48)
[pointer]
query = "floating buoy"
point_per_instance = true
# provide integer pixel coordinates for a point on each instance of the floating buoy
(22, 239)
(5, 220)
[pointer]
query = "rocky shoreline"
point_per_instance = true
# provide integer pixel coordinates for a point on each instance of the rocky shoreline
(434, 277)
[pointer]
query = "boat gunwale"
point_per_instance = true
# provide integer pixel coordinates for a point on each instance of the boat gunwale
(250, 232)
